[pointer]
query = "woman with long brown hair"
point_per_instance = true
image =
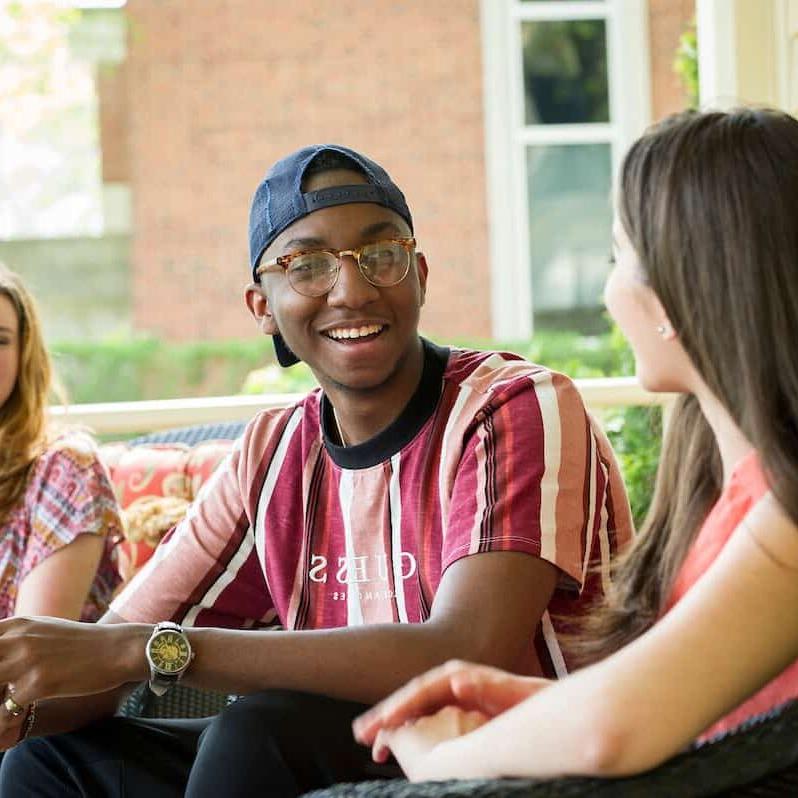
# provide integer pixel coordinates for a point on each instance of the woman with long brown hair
(698, 632)
(58, 513)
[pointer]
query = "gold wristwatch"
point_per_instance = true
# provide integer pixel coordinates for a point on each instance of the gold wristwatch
(168, 654)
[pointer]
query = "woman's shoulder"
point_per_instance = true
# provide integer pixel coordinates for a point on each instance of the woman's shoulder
(69, 475)
(73, 449)
(774, 530)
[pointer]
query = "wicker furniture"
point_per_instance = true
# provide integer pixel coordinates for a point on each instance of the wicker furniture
(760, 759)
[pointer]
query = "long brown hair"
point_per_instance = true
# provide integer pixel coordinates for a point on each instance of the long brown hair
(710, 204)
(23, 416)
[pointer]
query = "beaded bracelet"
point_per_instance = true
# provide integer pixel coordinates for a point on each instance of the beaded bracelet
(27, 724)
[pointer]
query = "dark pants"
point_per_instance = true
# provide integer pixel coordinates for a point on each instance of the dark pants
(275, 743)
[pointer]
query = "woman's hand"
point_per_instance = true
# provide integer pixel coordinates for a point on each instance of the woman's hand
(53, 658)
(10, 725)
(413, 742)
(468, 687)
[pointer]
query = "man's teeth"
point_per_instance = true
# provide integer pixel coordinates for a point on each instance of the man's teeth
(354, 332)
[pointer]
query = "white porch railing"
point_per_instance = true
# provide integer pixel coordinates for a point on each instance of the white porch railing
(120, 418)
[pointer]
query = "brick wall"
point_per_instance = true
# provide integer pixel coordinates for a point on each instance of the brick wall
(216, 93)
(667, 20)
(211, 94)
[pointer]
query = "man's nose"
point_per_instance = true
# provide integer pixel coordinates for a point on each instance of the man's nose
(351, 289)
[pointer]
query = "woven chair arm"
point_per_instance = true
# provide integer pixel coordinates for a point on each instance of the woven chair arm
(760, 758)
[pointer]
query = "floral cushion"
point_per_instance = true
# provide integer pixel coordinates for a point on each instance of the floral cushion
(154, 470)
(141, 475)
(145, 522)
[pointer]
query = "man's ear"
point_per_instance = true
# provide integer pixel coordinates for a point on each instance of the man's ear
(258, 305)
(422, 267)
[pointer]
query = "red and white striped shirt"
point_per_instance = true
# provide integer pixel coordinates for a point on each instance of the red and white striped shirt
(492, 453)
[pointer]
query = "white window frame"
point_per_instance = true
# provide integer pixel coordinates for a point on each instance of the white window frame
(787, 27)
(507, 135)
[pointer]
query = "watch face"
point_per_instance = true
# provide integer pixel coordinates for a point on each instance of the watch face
(169, 652)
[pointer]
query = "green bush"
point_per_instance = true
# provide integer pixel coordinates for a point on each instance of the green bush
(635, 434)
(146, 368)
(685, 64)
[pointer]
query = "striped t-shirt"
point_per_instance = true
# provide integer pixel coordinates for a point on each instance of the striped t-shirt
(492, 453)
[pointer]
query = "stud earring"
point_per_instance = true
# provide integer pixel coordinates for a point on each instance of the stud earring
(662, 329)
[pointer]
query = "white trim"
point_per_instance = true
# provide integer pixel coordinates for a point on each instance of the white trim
(791, 66)
(120, 418)
(508, 303)
(629, 55)
(717, 64)
(522, 297)
(782, 52)
(786, 29)
(125, 417)
(507, 136)
(594, 133)
(557, 11)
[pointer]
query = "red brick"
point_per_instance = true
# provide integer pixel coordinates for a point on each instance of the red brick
(217, 90)
(218, 93)
(668, 19)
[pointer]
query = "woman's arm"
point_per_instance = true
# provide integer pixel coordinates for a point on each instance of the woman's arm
(730, 635)
(58, 586)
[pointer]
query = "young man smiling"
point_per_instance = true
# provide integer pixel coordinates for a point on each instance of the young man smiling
(423, 504)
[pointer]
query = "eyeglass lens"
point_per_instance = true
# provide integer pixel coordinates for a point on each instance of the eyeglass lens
(383, 264)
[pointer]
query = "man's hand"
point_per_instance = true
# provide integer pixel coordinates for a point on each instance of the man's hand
(52, 658)
(413, 742)
(468, 687)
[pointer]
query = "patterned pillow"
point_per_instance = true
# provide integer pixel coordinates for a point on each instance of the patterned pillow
(112, 453)
(143, 475)
(146, 521)
(152, 470)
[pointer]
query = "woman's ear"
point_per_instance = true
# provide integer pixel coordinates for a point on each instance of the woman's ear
(258, 306)
(665, 329)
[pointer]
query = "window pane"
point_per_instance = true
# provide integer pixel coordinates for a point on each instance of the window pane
(565, 71)
(570, 226)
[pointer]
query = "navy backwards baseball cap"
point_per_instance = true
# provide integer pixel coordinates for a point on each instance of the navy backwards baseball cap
(279, 202)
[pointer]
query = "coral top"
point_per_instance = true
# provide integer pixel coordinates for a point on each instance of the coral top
(746, 488)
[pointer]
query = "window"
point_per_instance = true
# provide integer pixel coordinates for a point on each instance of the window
(50, 166)
(563, 101)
